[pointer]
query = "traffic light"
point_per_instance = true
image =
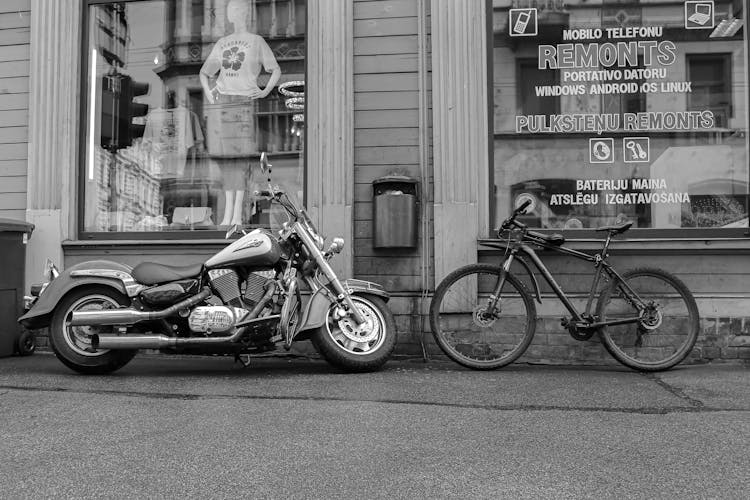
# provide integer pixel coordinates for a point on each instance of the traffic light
(118, 110)
(131, 109)
(110, 111)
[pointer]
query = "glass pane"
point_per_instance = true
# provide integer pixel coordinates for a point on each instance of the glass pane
(182, 97)
(621, 110)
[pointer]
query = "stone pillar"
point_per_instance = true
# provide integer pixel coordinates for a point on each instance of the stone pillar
(53, 130)
(460, 131)
(206, 29)
(329, 98)
(183, 17)
(221, 18)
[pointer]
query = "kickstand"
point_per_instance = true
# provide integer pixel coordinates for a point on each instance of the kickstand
(243, 359)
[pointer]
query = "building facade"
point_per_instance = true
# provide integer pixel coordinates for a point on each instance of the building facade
(129, 131)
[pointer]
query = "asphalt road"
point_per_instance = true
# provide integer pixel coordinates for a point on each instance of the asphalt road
(294, 428)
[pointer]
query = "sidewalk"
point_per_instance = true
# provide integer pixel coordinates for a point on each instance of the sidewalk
(711, 387)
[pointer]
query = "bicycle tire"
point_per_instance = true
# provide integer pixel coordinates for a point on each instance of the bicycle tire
(673, 320)
(471, 346)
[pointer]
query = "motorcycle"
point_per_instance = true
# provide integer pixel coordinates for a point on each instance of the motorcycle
(264, 290)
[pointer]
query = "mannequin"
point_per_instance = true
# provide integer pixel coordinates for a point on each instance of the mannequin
(237, 58)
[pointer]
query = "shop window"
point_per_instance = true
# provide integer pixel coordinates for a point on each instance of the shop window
(531, 77)
(621, 111)
(182, 96)
(711, 77)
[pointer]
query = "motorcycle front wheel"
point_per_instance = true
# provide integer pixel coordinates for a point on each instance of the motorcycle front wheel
(360, 348)
(72, 344)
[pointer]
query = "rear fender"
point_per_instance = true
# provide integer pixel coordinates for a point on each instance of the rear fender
(316, 310)
(96, 272)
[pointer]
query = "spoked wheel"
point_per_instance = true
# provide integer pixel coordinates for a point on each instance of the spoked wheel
(358, 348)
(668, 323)
(468, 332)
(72, 344)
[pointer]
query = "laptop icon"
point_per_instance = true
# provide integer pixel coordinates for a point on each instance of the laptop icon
(699, 14)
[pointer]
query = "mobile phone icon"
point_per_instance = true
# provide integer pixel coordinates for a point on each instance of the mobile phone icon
(522, 22)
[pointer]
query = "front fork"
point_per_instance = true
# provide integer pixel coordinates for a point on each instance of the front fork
(494, 299)
(342, 294)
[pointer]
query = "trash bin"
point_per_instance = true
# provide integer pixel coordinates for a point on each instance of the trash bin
(13, 237)
(394, 212)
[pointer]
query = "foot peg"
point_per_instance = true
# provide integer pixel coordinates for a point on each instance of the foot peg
(243, 359)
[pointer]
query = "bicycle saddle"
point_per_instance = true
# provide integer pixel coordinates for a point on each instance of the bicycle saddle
(616, 229)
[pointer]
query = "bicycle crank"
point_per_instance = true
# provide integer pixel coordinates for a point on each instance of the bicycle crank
(577, 330)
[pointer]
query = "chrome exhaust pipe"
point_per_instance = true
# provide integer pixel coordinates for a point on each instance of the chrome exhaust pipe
(129, 316)
(109, 341)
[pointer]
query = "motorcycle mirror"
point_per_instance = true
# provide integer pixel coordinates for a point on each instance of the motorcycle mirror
(265, 166)
(233, 229)
(50, 270)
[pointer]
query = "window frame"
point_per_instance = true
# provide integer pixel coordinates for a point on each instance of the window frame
(199, 236)
(635, 234)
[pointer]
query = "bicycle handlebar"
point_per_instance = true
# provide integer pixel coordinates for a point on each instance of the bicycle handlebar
(511, 221)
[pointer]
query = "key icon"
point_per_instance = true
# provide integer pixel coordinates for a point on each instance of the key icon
(636, 149)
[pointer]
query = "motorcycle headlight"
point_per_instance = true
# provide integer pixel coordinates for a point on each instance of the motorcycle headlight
(336, 246)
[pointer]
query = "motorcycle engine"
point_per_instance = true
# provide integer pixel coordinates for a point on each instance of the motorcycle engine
(226, 284)
(215, 319)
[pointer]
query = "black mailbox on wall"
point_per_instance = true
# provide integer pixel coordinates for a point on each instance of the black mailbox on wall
(394, 212)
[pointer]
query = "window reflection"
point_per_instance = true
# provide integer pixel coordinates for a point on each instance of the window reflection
(612, 111)
(183, 97)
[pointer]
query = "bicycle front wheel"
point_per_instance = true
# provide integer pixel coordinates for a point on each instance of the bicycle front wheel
(468, 332)
(667, 325)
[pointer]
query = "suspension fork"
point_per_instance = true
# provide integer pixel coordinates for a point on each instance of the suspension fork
(342, 294)
(504, 270)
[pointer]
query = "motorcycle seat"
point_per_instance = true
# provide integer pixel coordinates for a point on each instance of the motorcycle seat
(151, 273)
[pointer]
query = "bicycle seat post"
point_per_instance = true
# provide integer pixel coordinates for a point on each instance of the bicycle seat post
(606, 245)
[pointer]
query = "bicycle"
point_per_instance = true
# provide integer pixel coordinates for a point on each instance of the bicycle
(484, 317)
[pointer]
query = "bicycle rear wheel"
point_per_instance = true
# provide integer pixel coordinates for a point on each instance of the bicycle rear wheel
(668, 326)
(468, 333)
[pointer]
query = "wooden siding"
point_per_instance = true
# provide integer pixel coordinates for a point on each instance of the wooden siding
(387, 131)
(15, 39)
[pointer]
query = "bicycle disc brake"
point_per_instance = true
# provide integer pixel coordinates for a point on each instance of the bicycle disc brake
(651, 317)
(482, 318)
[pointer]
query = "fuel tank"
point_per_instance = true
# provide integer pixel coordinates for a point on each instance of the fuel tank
(256, 249)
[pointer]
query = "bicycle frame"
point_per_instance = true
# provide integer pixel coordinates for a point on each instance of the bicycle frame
(585, 319)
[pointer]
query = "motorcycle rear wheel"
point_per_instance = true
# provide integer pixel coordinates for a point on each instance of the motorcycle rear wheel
(72, 344)
(358, 350)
